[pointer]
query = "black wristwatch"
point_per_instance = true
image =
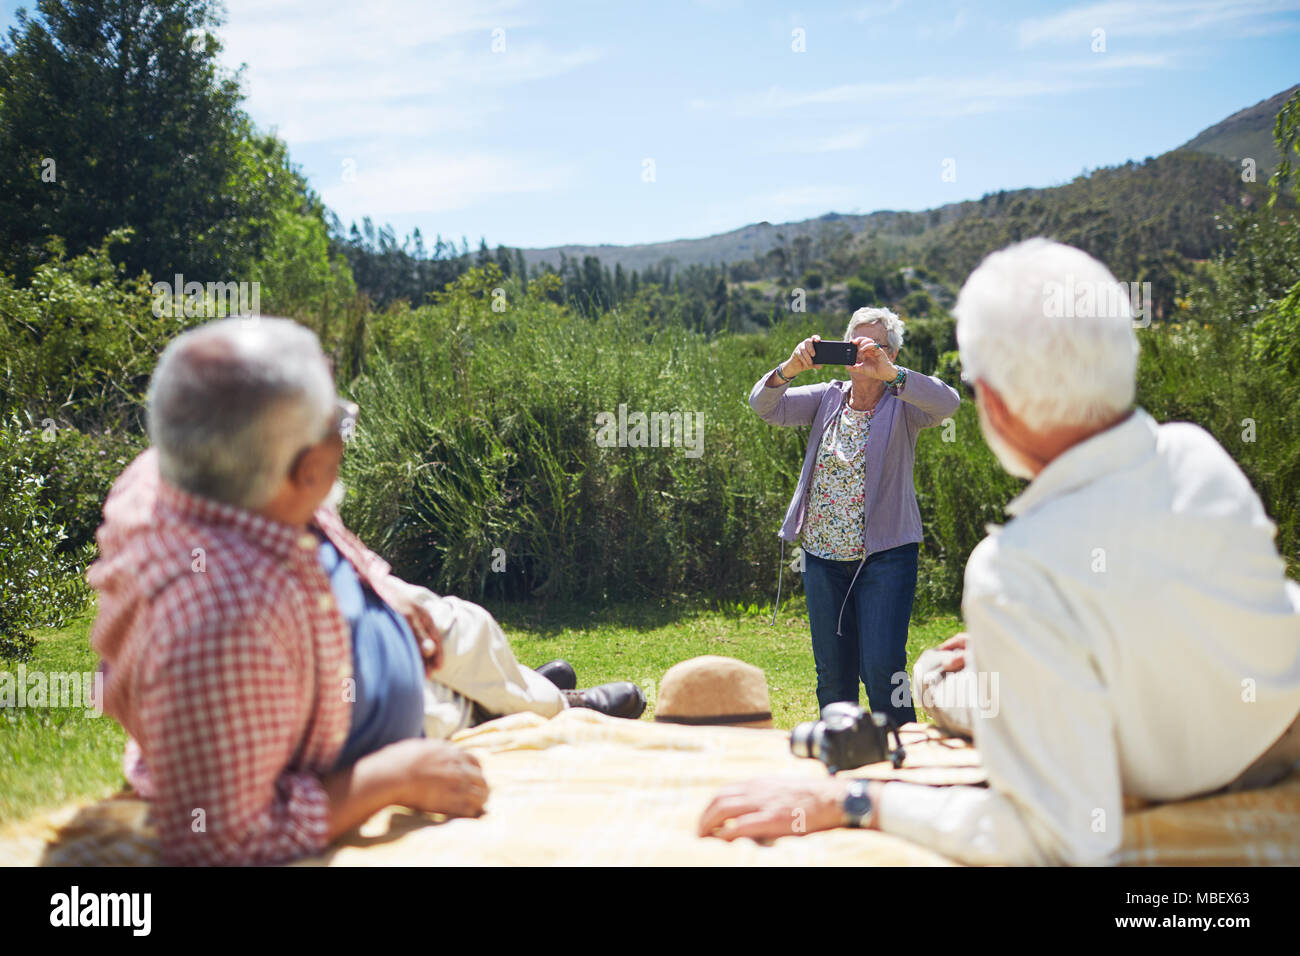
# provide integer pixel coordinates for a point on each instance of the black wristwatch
(857, 804)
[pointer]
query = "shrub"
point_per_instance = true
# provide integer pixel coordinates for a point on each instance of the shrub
(41, 584)
(80, 340)
(859, 294)
(482, 435)
(78, 468)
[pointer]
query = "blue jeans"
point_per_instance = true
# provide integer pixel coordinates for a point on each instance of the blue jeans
(872, 639)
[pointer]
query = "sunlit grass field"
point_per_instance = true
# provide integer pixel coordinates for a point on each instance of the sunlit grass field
(51, 756)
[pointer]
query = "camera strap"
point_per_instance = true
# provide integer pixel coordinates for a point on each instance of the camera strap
(780, 569)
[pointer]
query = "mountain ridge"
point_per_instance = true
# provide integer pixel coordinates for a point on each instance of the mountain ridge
(1245, 133)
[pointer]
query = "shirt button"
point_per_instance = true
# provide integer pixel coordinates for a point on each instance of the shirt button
(307, 541)
(325, 602)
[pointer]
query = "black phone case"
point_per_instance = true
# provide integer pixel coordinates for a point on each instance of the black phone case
(835, 353)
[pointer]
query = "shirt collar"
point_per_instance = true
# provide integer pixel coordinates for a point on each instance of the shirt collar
(1114, 449)
(281, 540)
(845, 388)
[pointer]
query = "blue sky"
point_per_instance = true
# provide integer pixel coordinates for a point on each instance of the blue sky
(402, 110)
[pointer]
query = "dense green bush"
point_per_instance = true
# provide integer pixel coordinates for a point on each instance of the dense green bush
(479, 432)
(960, 488)
(80, 340)
(77, 469)
(41, 582)
(477, 468)
(1209, 374)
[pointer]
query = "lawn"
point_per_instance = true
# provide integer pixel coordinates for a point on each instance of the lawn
(639, 642)
(50, 756)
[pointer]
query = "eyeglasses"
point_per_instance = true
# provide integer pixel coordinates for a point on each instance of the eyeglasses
(344, 423)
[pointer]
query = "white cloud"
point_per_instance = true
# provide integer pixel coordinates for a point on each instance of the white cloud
(1119, 61)
(378, 82)
(916, 98)
(879, 8)
(934, 30)
(281, 36)
(833, 143)
(387, 185)
(336, 70)
(1131, 19)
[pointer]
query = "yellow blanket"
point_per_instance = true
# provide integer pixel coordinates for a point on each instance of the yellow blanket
(585, 789)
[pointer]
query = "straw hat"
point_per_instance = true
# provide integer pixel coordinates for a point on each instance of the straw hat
(714, 690)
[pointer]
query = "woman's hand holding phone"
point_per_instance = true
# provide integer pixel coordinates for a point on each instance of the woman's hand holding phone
(874, 360)
(801, 359)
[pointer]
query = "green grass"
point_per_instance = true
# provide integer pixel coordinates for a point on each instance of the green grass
(640, 642)
(50, 756)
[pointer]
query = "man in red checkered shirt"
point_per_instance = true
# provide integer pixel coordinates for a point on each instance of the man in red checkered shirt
(268, 668)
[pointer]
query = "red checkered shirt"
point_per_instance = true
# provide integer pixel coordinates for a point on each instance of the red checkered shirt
(226, 660)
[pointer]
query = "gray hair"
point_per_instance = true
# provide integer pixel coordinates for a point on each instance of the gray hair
(892, 324)
(231, 403)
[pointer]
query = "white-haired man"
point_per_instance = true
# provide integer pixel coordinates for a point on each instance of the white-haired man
(1135, 611)
(269, 670)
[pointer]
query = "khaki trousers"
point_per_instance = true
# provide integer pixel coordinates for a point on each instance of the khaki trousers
(479, 676)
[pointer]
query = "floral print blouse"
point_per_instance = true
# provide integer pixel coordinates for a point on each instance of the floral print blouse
(834, 517)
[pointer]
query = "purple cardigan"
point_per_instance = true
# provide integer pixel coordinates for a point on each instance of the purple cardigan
(889, 501)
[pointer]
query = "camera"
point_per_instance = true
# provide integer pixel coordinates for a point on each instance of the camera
(846, 736)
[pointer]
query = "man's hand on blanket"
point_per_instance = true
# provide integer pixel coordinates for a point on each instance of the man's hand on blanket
(442, 778)
(430, 776)
(772, 807)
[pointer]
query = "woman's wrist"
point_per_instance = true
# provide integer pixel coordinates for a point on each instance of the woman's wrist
(781, 374)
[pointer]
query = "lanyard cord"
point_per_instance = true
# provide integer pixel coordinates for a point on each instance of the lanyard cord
(779, 571)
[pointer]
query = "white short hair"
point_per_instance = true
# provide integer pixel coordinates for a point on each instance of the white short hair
(1050, 329)
(232, 402)
(892, 324)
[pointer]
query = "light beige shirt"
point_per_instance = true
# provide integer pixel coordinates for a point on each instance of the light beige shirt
(1134, 634)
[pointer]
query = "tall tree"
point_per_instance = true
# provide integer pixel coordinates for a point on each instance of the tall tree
(116, 113)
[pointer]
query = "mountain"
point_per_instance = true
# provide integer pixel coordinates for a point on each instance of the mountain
(743, 243)
(1247, 133)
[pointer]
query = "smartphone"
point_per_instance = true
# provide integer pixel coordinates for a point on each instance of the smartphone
(835, 353)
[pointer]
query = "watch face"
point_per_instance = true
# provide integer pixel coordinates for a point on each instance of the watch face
(857, 805)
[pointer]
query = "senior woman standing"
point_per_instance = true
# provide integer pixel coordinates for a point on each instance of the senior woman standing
(855, 506)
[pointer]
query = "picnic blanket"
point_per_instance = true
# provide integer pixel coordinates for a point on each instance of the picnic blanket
(583, 789)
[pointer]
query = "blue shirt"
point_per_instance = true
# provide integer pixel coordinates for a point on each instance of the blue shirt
(386, 664)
